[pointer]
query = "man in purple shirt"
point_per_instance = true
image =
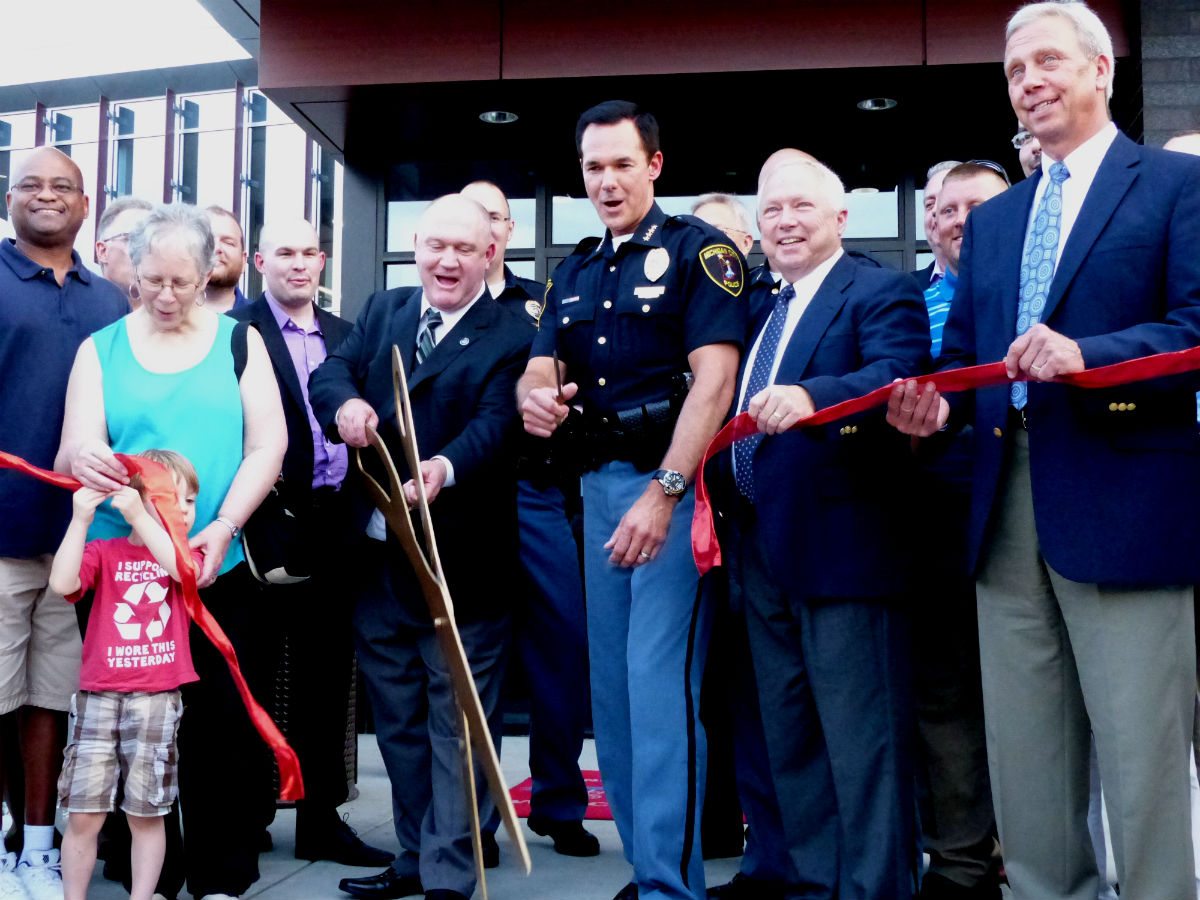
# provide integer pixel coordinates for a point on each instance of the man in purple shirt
(298, 336)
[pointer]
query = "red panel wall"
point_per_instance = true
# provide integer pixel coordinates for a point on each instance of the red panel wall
(958, 32)
(319, 43)
(547, 38)
(315, 43)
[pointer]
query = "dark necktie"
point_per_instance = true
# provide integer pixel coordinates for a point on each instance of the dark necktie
(430, 320)
(760, 376)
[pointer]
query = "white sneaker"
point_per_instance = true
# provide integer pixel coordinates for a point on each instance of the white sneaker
(11, 887)
(41, 873)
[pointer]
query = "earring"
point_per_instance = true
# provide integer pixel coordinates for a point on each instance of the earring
(202, 299)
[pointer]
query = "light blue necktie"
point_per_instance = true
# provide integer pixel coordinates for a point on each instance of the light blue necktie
(1037, 264)
(760, 376)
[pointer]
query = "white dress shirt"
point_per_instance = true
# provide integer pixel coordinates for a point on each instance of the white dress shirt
(1082, 164)
(806, 288)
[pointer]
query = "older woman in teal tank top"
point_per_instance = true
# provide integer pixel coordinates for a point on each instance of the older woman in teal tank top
(164, 377)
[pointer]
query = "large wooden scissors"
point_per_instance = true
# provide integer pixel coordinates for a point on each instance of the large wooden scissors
(427, 565)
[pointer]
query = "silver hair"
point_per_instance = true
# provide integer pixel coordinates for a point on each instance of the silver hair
(179, 222)
(944, 166)
(732, 203)
(1093, 37)
(831, 185)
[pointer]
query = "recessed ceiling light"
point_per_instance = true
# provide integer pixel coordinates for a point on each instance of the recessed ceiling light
(498, 117)
(874, 104)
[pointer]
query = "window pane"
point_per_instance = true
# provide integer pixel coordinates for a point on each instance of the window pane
(401, 275)
(919, 214)
(403, 215)
(524, 268)
(524, 232)
(873, 215)
(575, 218)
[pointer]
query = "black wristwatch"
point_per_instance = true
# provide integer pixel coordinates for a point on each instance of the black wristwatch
(673, 483)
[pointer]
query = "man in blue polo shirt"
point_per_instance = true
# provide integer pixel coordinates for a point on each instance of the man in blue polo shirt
(48, 304)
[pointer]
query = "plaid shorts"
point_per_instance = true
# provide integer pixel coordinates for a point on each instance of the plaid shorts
(130, 736)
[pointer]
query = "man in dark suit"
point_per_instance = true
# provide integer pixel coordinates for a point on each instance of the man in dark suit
(299, 335)
(464, 354)
(550, 619)
(1083, 528)
(814, 555)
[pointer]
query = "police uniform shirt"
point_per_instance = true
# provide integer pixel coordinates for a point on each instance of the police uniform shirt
(624, 319)
(523, 297)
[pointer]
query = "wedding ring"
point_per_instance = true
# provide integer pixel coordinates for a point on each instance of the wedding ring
(644, 555)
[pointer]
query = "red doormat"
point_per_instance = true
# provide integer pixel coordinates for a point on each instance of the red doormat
(597, 807)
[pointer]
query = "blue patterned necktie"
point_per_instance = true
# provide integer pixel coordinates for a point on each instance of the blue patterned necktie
(1037, 264)
(430, 320)
(760, 376)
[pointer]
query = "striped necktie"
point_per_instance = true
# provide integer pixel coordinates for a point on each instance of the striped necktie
(760, 376)
(430, 320)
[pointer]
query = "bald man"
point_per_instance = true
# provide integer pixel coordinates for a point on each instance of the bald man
(49, 302)
(1185, 142)
(463, 354)
(299, 335)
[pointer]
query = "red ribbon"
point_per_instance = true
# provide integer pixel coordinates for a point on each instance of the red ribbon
(707, 552)
(159, 486)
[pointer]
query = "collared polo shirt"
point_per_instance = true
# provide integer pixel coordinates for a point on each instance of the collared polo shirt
(42, 325)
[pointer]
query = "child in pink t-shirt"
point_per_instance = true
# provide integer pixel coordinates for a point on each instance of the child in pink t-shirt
(125, 716)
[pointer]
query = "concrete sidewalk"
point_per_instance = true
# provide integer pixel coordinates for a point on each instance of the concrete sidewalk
(554, 877)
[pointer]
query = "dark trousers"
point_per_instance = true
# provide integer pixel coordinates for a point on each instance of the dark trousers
(417, 723)
(731, 700)
(315, 618)
(226, 793)
(833, 680)
(954, 794)
(550, 639)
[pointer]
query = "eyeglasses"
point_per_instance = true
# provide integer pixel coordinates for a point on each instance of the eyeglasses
(988, 164)
(1021, 138)
(122, 236)
(152, 286)
(61, 187)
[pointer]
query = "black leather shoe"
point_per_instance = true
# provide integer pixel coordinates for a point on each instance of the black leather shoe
(570, 838)
(339, 843)
(387, 885)
(629, 892)
(743, 887)
(491, 850)
(444, 894)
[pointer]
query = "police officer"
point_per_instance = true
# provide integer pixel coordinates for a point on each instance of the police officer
(549, 631)
(649, 323)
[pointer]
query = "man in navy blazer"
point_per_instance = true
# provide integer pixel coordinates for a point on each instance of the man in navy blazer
(463, 353)
(1083, 528)
(816, 556)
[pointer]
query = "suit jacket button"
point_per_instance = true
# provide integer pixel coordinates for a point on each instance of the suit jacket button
(997, 432)
(1112, 407)
(854, 429)
(1131, 407)
(1122, 406)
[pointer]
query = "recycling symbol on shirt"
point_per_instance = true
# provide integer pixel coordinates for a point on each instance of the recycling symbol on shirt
(142, 605)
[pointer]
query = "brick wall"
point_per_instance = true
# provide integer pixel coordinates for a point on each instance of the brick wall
(1170, 68)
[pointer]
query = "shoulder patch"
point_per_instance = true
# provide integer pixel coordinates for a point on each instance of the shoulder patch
(722, 264)
(535, 309)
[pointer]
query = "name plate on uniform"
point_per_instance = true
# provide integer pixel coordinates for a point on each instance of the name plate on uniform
(649, 291)
(565, 300)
